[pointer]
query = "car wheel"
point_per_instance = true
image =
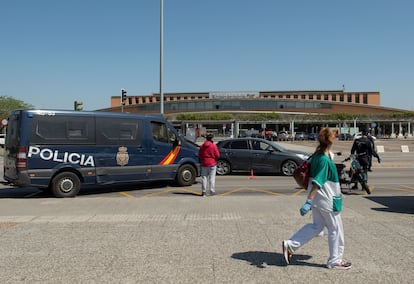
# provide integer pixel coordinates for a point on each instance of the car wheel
(65, 184)
(288, 167)
(223, 167)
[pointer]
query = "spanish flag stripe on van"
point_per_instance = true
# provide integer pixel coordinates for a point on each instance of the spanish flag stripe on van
(170, 158)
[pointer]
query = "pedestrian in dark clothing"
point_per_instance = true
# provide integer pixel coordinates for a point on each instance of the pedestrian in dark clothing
(374, 151)
(364, 149)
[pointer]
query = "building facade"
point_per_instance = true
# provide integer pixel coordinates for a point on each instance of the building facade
(289, 103)
(334, 101)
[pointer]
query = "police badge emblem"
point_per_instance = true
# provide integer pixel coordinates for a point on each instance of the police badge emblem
(122, 156)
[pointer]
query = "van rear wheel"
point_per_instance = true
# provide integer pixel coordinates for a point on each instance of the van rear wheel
(66, 184)
(186, 175)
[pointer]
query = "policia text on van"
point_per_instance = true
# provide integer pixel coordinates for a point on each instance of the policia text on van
(61, 150)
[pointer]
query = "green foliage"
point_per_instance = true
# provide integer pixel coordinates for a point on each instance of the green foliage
(205, 116)
(297, 117)
(258, 116)
(8, 104)
(229, 116)
(402, 115)
(339, 116)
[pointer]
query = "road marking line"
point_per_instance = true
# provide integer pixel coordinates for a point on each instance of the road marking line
(158, 193)
(410, 188)
(126, 194)
(251, 189)
(171, 190)
(299, 192)
(231, 191)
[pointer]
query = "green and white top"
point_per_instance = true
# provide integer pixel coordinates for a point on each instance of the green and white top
(324, 174)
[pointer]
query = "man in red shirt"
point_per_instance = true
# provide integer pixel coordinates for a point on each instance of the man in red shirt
(208, 155)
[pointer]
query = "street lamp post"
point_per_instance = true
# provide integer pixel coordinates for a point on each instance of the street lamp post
(161, 55)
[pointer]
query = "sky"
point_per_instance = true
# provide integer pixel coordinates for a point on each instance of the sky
(53, 52)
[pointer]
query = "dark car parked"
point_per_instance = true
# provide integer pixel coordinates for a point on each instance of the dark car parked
(313, 136)
(262, 156)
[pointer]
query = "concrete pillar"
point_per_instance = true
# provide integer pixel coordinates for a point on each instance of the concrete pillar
(400, 134)
(392, 130)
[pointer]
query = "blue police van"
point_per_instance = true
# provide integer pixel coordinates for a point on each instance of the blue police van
(60, 151)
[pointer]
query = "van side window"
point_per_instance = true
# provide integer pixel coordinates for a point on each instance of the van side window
(161, 132)
(118, 131)
(63, 130)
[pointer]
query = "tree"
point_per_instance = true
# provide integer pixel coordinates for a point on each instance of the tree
(8, 104)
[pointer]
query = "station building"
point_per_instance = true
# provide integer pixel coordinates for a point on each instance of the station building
(335, 101)
(288, 103)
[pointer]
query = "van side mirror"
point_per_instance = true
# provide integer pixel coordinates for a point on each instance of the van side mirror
(175, 141)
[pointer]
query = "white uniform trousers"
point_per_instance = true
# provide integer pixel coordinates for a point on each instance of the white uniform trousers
(333, 222)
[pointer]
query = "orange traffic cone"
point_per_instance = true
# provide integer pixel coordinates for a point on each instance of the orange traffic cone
(252, 174)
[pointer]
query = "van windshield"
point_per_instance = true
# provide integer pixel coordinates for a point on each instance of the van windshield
(189, 141)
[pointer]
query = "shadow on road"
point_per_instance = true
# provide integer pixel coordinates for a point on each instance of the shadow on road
(32, 192)
(394, 204)
(260, 258)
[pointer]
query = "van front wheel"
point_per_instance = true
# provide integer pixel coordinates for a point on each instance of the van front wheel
(66, 184)
(186, 175)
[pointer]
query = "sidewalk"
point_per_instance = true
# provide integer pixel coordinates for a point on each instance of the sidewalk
(185, 239)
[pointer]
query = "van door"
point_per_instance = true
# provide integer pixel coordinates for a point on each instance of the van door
(11, 147)
(123, 153)
(165, 150)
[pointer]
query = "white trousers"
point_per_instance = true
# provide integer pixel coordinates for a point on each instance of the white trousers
(208, 177)
(333, 222)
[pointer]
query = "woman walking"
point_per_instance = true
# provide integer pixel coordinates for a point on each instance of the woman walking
(325, 201)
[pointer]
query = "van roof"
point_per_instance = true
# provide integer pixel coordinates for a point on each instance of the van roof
(86, 113)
